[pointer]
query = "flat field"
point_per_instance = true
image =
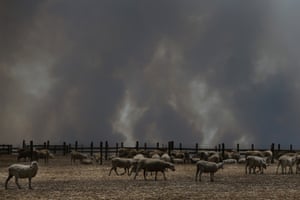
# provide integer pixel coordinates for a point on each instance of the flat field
(61, 180)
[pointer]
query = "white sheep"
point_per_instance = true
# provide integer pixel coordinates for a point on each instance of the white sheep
(75, 155)
(22, 171)
(297, 164)
(230, 161)
(207, 167)
(255, 161)
(165, 157)
(286, 161)
(155, 156)
(153, 165)
(125, 163)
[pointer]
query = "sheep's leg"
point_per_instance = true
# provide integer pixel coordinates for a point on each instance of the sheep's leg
(155, 176)
(277, 167)
(211, 176)
(17, 182)
(110, 171)
(29, 183)
(291, 169)
(164, 175)
(200, 175)
(197, 172)
(145, 175)
(8, 178)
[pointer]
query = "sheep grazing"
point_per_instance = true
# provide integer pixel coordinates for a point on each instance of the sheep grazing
(125, 163)
(75, 155)
(22, 171)
(153, 165)
(44, 154)
(207, 167)
(255, 161)
(286, 161)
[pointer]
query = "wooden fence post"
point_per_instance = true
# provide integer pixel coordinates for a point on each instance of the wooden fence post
(252, 147)
(145, 146)
(223, 149)
(122, 145)
(101, 152)
(92, 149)
(180, 146)
(76, 145)
(31, 150)
(278, 147)
(64, 148)
(137, 145)
(24, 144)
(106, 150)
(238, 147)
(197, 148)
(273, 152)
(117, 149)
(157, 145)
(291, 147)
(48, 144)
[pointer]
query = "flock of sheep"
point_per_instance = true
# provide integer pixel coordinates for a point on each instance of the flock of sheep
(156, 161)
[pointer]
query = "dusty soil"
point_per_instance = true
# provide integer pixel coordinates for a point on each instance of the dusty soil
(61, 180)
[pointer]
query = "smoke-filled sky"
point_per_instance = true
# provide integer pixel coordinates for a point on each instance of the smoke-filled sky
(153, 71)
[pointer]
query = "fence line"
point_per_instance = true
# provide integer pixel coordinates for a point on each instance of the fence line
(107, 149)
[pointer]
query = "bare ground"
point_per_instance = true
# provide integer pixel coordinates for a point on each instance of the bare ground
(61, 180)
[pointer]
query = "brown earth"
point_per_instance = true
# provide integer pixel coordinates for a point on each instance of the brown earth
(61, 180)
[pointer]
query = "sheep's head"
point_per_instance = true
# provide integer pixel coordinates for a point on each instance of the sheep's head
(264, 165)
(34, 164)
(171, 166)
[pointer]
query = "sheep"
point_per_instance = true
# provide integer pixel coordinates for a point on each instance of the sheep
(215, 157)
(155, 156)
(75, 155)
(87, 161)
(43, 153)
(166, 157)
(297, 162)
(255, 161)
(125, 163)
(153, 165)
(254, 153)
(22, 171)
(268, 155)
(27, 153)
(286, 161)
(127, 152)
(207, 167)
(230, 161)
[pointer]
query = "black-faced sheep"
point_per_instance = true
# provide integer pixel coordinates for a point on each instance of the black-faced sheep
(252, 162)
(124, 163)
(207, 167)
(153, 165)
(22, 171)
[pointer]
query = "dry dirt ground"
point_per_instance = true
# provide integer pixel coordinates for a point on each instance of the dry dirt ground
(61, 180)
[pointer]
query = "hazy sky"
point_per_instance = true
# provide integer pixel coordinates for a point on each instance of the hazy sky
(189, 71)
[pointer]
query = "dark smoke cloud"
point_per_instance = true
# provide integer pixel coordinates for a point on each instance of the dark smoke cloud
(206, 72)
